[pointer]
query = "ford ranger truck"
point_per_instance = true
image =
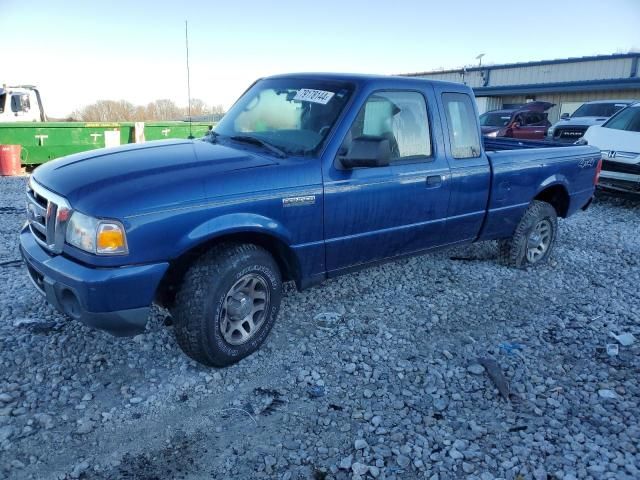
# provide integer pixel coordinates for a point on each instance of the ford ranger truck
(307, 177)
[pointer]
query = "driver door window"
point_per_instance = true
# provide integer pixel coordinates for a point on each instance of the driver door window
(401, 118)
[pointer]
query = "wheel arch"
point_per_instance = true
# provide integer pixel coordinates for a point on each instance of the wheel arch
(557, 195)
(256, 230)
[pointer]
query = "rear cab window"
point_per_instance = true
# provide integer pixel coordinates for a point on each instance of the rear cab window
(462, 125)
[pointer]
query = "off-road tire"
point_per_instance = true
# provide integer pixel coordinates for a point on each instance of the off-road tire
(513, 251)
(198, 309)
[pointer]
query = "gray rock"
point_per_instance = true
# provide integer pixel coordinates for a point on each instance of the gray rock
(6, 432)
(350, 367)
(475, 369)
(361, 444)
(440, 404)
(607, 394)
(403, 461)
(455, 454)
(345, 463)
(85, 426)
(44, 420)
(359, 468)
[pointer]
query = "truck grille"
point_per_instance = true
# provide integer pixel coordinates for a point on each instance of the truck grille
(47, 215)
(569, 133)
(620, 167)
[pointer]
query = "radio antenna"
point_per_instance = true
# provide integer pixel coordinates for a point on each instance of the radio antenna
(186, 38)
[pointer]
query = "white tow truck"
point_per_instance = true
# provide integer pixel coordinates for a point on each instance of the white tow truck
(21, 103)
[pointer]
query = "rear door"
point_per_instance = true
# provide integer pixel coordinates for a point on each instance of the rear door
(470, 171)
(380, 212)
(534, 126)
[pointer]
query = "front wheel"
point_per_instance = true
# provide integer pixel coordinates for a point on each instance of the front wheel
(227, 304)
(534, 237)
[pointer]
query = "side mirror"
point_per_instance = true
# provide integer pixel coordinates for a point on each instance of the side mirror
(565, 116)
(367, 151)
(516, 125)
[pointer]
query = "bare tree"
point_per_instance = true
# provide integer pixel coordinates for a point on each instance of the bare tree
(218, 109)
(106, 111)
(163, 109)
(198, 107)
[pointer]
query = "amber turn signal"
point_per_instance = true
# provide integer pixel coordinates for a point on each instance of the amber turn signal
(111, 238)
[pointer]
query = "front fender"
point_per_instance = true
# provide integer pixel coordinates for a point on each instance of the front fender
(230, 224)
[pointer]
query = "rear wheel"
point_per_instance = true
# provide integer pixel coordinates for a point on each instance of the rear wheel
(534, 237)
(227, 304)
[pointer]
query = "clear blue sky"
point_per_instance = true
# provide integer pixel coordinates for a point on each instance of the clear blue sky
(81, 51)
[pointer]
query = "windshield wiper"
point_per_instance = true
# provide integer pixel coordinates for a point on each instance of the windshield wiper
(258, 141)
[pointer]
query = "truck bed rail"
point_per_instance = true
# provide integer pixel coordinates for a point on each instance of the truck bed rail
(504, 143)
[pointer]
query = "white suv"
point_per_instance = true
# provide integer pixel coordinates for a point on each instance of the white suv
(619, 141)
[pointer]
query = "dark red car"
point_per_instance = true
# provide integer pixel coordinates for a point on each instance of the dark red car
(527, 122)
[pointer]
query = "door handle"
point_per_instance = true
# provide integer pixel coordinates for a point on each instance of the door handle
(434, 181)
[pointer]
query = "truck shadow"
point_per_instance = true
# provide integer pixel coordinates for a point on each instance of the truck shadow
(628, 201)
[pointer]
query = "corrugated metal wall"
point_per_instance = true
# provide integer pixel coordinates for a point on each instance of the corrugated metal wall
(562, 72)
(553, 72)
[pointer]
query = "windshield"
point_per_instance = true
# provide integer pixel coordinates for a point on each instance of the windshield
(492, 119)
(293, 115)
(628, 119)
(598, 109)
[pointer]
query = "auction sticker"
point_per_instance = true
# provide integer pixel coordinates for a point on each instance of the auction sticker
(315, 96)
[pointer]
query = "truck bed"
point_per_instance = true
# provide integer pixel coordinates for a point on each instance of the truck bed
(504, 143)
(521, 169)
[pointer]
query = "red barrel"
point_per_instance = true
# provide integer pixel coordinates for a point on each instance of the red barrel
(10, 159)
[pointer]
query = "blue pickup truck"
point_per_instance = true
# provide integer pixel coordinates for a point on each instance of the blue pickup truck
(307, 177)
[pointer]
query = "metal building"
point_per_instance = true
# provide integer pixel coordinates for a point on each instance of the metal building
(566, 82)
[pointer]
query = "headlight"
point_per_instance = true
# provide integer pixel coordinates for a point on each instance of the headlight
(492, 134)
(581, 141)
(102, 237)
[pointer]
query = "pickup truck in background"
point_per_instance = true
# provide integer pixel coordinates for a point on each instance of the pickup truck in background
(528, 122)
(307, 177)
(619, 141)
(571, 128)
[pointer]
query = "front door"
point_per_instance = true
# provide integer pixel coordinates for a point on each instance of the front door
(375, 213)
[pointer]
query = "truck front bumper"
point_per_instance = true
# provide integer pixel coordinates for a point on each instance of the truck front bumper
(620, 181)
(117, 300)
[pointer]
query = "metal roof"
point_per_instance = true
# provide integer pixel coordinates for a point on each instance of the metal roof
(615, 56)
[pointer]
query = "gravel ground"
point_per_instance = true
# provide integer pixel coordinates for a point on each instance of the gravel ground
(386, 373)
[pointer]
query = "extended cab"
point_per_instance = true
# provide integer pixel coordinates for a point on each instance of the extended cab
(307, 177)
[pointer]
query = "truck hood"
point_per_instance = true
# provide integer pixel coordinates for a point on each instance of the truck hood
(581, 122)
(132, 179)
(625, 144)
